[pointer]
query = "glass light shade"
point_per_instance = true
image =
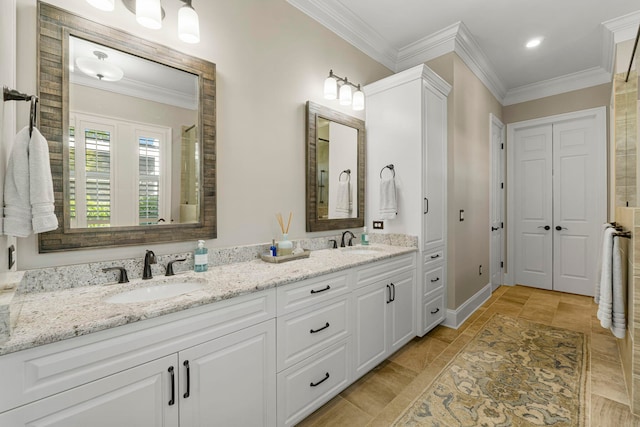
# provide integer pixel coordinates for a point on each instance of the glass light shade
(358, 101)
(345, 94)
(330, 88)
(149, 13)
(98, 69)
(106, 5)
(188, 25)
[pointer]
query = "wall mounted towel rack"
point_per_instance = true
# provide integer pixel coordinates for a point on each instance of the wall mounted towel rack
(14, 95)
(348, 172)
(390, 167)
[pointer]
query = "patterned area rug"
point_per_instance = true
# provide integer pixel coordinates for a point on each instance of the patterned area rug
(512, 373)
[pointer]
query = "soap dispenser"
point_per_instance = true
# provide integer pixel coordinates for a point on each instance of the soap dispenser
(201, 257)
(364, 237)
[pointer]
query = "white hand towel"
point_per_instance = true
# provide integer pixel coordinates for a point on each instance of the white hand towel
(17, 207)
(618, 321)
(343, 200)
(596, 294)
(41, 185)
(605, 303)
(388, 201)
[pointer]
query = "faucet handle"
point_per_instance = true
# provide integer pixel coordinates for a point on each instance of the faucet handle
(123, 278)
(152, 257)
(170, 266)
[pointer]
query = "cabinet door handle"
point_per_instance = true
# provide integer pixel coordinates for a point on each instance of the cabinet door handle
(326, 377)
(393, 288)
(188, 392)
(437, 310)
(313, 331)
(435, 256)
(173, 386)
(389, 296)
(426, 209)
(435, 280)
(313, 291)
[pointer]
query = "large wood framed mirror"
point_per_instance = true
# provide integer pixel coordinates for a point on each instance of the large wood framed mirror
(133, 151)
(335, 159)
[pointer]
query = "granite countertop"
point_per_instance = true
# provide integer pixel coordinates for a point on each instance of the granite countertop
(47, 317)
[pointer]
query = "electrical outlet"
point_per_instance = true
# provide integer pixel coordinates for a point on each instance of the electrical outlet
(378, 225)
(461, 215)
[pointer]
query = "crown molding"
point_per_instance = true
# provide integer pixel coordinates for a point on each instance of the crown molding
(567, 83)
(337, 18)
(623, 28)
(421, 71)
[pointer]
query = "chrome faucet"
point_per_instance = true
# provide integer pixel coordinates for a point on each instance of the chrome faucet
(350, 243)
(149, 258)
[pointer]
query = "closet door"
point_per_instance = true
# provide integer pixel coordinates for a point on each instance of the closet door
(575, 205)
(532, 206)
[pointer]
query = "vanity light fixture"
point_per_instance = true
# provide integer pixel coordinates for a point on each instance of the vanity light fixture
(99, 68)
(149, 14)
(336, 87)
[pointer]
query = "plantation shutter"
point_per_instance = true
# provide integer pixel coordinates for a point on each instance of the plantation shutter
(149, 180)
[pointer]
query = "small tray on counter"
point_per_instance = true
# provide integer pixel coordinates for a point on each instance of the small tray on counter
(284, 258)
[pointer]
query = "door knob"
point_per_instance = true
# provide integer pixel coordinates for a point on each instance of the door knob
(561, 228)
(546, 227)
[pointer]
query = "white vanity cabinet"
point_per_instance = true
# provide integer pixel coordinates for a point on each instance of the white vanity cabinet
(407, 126)
(383, 310)
(215, 364)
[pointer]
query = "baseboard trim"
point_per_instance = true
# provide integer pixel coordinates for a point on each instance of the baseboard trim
(456, 317)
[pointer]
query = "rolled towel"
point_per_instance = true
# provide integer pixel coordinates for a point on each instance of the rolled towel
(343, 200)
(17, 206)
(605, 303)
(41, 185)
(596, 294)
(618, 319)
(388, 201)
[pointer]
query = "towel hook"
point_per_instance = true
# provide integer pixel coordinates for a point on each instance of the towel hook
(390, 167)
(33, 116)
(348, 172)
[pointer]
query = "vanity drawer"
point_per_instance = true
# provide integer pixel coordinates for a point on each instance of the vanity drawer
(302, 334)
(433, 312)
(305, 387)
(303, 294)
(433, 257)
(381, 270)
(433, 279)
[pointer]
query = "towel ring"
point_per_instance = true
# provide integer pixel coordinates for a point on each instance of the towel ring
(348, 172)
(391, 168)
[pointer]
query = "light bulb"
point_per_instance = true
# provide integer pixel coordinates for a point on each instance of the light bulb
(106, 5)
(330, 88)
(188, 24)
(149, 13)
(358, 100)
(345, 94)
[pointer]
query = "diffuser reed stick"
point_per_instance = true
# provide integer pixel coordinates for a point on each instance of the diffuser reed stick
(289, 222)
(280, 221)
(285, 230)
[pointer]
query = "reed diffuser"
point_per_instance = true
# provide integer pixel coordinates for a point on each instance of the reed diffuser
(285, 246)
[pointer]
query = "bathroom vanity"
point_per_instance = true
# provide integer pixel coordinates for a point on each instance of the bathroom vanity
(257, 344)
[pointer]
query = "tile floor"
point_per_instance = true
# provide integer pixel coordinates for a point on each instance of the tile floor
(381, 395)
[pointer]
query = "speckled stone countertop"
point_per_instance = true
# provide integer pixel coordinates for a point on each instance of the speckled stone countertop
(47, 317)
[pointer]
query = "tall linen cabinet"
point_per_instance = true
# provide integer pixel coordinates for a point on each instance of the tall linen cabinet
(406, 124)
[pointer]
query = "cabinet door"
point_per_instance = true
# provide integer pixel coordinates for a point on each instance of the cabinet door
(231, 380)
(402, 310)
(136, 397)
(370, 335)
(435, 171)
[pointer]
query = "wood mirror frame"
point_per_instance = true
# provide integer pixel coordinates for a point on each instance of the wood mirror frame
(54, 28)
(313, 112)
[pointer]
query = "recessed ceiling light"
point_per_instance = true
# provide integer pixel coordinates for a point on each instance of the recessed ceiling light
(534, 42)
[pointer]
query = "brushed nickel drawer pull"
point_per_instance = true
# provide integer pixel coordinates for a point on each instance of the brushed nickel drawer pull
(313, 331)
(313, 291)
(326, 377)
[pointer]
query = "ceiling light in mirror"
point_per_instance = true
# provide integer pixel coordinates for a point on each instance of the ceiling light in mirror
(534, 43)
(106, 5)
(99, 68)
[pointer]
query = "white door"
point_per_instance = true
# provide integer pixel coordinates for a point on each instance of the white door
(497, 202)
(532, 206)
(576, 217)
(558, 200)
(231, 380)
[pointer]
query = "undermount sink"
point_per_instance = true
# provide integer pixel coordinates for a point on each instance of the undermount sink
(361, 250)
(153, 293)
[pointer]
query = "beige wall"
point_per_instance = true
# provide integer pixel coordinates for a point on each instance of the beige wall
(577, 100)
(469, 107)
(271, 59)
